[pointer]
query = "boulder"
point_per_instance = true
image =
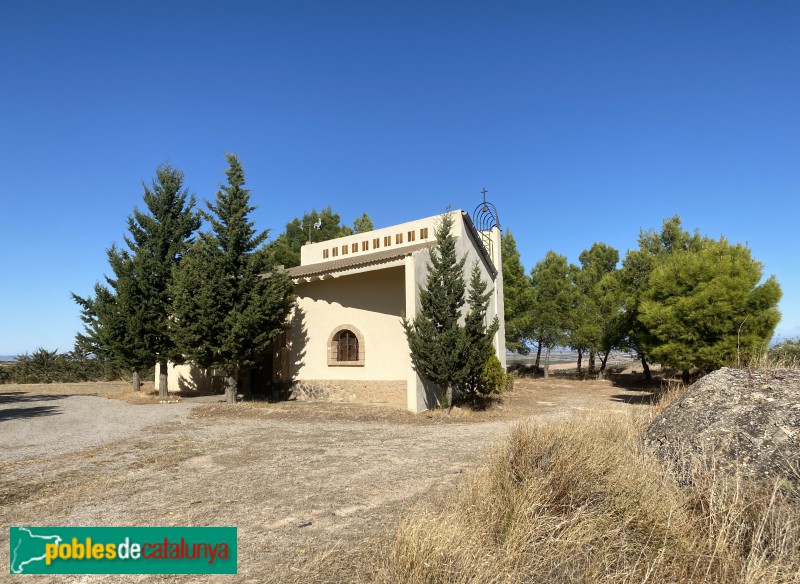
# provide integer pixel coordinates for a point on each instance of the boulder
(739, 421)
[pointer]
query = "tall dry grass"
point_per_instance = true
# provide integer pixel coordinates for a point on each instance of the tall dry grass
(583, 501)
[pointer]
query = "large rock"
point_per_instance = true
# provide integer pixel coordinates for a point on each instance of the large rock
(740, 421)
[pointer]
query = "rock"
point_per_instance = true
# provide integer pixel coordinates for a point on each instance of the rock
(736, 420)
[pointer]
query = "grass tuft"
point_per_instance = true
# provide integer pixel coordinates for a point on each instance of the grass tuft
(583, 501)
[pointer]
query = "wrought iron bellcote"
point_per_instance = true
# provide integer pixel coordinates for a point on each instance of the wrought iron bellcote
(485, 218)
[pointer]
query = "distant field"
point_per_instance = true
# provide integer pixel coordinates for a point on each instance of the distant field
(562, 358)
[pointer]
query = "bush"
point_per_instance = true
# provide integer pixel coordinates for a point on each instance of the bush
(493, 377)
(43, 366)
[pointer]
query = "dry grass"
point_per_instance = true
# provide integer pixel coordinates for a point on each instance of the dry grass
(582, 501)
(774, 360)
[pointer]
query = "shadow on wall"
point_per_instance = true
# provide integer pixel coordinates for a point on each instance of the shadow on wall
(381, 291)
(433, 394)
(292, 355)
(199, 381)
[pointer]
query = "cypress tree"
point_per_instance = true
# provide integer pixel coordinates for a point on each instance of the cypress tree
(226, 312)
(478, 346)
(435, 337)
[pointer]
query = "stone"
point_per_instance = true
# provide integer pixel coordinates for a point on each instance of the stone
(738, 421)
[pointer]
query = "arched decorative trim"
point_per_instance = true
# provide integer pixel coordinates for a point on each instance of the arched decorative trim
(341, 347)
(485, 218)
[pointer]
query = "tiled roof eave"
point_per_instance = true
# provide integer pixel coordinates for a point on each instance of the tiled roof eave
(374, 260)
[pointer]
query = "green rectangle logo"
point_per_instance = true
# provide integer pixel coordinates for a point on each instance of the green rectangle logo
(123, 550)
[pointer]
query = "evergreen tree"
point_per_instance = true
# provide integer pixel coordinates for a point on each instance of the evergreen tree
(112, 325)
(554, 300)
(609, 300)
(704, 307)
(130, 319)
(478, 338)
(517, 297)
(634, 281)
(313, 226)
(593, 318)
(226, 311)
(435, 337)
(363, 224)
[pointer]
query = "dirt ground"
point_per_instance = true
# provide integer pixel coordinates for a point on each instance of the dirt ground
(300, 481)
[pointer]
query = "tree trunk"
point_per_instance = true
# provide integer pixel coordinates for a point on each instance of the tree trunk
(591, 362)
(547, 363)
(538, 355)
(646, 369)
(448, 397)
(604, 361)
(580, 358)
(136, 383)
(685, 377)
(230, 386)
(162, 379)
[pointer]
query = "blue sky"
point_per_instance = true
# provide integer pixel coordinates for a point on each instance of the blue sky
(586, 121)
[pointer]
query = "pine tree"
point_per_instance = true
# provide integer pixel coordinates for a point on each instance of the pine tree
(478, 344)
(435, 337)
(363, 224)
(593, 317)
(634, 281)
(704, 307)
(313, 226)
(226, 311)
(554, 298)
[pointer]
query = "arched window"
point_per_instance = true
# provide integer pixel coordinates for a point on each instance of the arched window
(346, 347)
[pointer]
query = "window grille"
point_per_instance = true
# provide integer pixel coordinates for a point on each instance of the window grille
(347, 346)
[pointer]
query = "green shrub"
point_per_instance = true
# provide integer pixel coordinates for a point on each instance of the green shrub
(43, 366)
(494, 377)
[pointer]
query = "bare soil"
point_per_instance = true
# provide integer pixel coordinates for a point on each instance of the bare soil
(300, 481)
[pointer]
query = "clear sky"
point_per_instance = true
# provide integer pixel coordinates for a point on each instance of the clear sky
(586, 121)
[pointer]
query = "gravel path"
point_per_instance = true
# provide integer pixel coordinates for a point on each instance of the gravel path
(35, 425)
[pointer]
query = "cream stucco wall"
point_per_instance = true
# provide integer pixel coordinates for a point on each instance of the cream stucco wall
(372, 303)
(468, 245)
(187, 377)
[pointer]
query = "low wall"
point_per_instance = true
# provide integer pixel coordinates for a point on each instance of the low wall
(393, 392)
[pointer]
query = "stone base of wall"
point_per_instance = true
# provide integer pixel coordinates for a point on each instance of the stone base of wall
(392, 392)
